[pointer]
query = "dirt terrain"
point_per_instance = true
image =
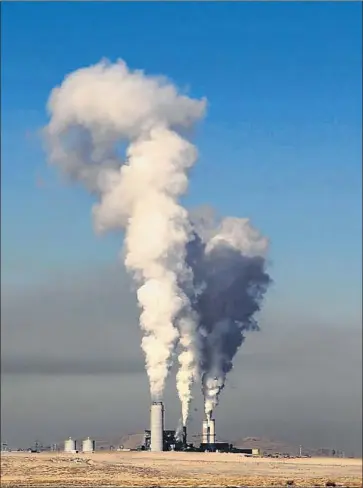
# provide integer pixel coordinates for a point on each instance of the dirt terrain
(145, 469)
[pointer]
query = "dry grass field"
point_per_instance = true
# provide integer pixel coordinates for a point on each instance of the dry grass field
(145, 469)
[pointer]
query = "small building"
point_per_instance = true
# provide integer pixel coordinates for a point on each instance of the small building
(216, 447)
(253, 451)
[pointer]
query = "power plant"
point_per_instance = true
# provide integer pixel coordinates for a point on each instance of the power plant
(158, 439)
(197, 256)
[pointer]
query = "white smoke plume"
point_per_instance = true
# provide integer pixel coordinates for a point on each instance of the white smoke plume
(228, 260)
(92, 112)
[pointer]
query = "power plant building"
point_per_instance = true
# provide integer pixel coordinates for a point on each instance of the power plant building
(157, 439)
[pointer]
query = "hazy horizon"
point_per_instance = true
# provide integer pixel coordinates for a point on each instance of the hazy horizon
(73, 366)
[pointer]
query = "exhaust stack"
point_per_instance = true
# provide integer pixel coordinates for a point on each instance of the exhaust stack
(212, 431)
(157, 427)
(205, 432)
(184, 436)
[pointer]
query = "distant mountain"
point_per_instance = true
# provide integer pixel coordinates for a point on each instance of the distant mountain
(267, 445)
(131, 441)
(272, 446)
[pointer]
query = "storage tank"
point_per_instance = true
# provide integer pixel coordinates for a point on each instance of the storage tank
(88, 445)
(69, 445)
(157, 426)
(212, 431)
(205, 432)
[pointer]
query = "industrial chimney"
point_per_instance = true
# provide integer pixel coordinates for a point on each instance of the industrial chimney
(184, 437)
(212, 431)
(157, 426)
(205, 432)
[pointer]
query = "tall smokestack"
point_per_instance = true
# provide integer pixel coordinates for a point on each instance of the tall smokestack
(157, 426)
(184, 436)
(205, 432)
(212, 431)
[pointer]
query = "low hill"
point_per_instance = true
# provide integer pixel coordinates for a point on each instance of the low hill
(266, 445)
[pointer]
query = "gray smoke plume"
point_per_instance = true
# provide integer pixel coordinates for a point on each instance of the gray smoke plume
(228, 261)
(92, 112)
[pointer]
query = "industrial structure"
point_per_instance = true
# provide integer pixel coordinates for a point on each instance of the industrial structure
(70, 445)
(205, 432)
(88, 445)
(171, 441)
(212, 431)
(159, 439)
(157, 427)
(184, 436)
(209, 442)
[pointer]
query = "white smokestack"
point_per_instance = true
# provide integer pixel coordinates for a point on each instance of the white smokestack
(157, 426)
(212, 431)
(205, 432)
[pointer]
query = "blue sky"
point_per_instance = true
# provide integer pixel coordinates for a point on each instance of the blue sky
(281, 142)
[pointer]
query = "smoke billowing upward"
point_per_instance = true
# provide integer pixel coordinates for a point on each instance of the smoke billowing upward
(91, 113)
(228, 261)
(199, 282)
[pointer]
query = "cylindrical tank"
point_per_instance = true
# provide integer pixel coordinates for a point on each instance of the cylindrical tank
(205, 432)
(88, 445)
(157, 426)
(69, 445)
(212, 431)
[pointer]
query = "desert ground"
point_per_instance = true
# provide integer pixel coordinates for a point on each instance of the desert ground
(145, 469)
